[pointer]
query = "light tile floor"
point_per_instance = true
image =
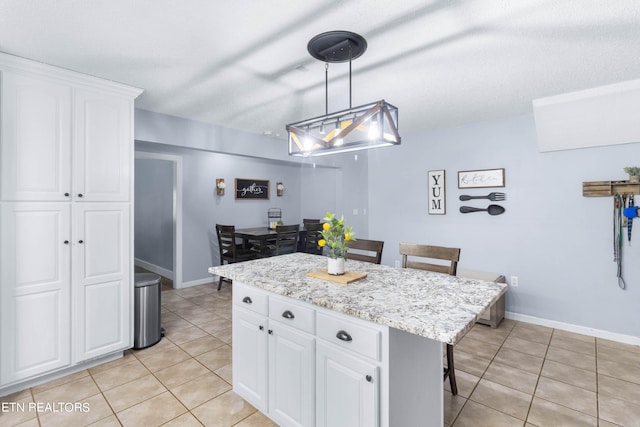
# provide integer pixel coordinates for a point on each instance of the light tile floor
(519, 374)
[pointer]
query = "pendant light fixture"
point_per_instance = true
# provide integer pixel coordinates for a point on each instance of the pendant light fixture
(358, 128)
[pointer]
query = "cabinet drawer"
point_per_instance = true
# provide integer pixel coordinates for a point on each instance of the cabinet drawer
(349, 335)
(250, 298)
(292, 313)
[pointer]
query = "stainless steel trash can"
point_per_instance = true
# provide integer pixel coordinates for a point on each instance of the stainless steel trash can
(147, 329)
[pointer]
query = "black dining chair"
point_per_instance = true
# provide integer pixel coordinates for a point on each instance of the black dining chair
(311, 237)
(448, 264)
(366, 250)
(287, 239)
(230, 251)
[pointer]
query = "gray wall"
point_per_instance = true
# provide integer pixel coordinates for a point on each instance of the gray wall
(556, 241)
(202, 208)
(154, 212)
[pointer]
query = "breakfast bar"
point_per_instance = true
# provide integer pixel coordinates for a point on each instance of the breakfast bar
(311, 352)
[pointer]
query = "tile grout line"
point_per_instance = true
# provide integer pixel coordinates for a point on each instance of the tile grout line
(481, 377)
(533, 393)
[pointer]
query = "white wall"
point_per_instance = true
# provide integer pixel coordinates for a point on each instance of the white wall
(557, 242)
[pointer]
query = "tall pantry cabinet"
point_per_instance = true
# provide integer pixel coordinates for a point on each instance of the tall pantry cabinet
(66, 175)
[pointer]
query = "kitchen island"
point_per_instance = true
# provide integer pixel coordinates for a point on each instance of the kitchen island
(312, 352)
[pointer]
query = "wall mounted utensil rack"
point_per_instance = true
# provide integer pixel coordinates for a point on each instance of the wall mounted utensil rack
(609, 188)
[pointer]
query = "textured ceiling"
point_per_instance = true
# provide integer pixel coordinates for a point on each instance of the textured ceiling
(244, 64)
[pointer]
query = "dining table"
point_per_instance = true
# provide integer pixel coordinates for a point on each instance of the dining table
(258, 237)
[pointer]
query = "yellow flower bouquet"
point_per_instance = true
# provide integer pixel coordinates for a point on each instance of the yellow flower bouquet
(335, 236)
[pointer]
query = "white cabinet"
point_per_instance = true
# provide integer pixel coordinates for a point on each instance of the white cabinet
(349, 355)
(36, 159)
(274, 360)
(101, 281)
(304, 366)
(347, 389)
(66, 145)
(92, 127)
(47, 268)
(291, 375)
(35, 291)
(103, 149)
(250, 362)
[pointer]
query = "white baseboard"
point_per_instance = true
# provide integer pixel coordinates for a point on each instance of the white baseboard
(598, 333)
(199, 282)
(154, 268)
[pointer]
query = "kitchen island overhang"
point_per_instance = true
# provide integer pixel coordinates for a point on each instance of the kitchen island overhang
(432, 305)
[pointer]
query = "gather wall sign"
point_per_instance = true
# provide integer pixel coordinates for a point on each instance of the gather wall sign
(252, 189)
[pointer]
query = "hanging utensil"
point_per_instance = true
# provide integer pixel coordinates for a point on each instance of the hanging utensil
(618, 207)
(491, 209)
(630, 212)
(491, 196)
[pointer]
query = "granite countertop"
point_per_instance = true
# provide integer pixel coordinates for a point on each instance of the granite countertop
(432, 305)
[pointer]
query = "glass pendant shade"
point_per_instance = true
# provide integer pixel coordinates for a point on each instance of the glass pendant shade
(359, 128)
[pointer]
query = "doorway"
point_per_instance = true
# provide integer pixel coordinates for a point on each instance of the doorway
(158, 214)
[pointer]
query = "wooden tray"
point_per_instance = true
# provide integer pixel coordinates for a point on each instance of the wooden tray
(345, 279)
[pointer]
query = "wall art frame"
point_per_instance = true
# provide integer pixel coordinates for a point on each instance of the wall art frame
(252, 189)
(482, 178)
(436, 195)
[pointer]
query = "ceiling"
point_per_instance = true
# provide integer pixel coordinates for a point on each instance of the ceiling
(244, 63)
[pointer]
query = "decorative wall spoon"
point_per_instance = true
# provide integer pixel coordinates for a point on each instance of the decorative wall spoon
(491, 209)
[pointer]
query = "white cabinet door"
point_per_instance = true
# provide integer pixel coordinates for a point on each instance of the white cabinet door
(102, 285)
(291, 376)
(35, 292)
(250, 364)
(36, 139)
(347, 391)
(103, 148)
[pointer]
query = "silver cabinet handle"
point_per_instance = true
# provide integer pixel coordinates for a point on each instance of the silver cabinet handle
(343, 335)
(247, 300)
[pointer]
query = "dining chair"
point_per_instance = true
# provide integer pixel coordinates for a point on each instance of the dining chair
(312, 235)
(306, 221)
(366, 250)
(230, 251)
(448, 264)
(287, 239)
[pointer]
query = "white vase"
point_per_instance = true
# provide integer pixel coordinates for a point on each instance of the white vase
(335, 266)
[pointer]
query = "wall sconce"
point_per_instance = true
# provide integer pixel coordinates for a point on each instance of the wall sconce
(220, 186)
(279, 188)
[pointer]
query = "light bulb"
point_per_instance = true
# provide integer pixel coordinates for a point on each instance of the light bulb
(339, 141)
(373, 129)
(308, 143)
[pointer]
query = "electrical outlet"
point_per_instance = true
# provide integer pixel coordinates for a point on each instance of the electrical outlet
(514, 281)
(355, 211)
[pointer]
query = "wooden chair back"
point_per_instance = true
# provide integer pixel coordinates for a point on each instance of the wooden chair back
(313, 230)
(361, 250)
(226, 243)
(287, 238)
(450, 256)
(306, 221)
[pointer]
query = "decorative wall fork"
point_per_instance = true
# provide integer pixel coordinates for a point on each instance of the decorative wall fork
(491, 196)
